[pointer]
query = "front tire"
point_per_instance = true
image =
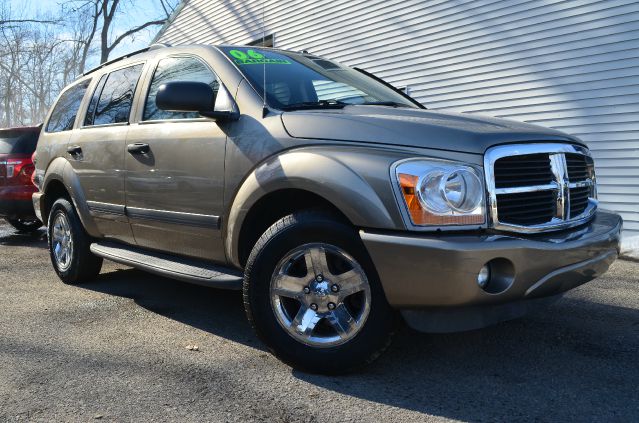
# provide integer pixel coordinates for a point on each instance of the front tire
(25, 226)
(69, 245)
(312, 295)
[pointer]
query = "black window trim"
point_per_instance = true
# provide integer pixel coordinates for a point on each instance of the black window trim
(75, 121)
(86, 112)
(135, 88)
(148, 90)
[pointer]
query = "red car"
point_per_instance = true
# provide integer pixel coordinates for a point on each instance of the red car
(17, 146)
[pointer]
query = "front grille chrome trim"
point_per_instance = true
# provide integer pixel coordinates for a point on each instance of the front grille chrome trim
(528, 188)
(560, 186)
(581, 184)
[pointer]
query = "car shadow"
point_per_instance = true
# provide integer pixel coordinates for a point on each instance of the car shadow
(217, 311)
(561, 363)
(571, 359)
(12, 238)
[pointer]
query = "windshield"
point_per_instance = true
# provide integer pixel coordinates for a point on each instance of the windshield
(295, 81)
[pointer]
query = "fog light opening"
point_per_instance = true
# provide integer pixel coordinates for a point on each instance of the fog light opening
(483, 277)
(496, 276)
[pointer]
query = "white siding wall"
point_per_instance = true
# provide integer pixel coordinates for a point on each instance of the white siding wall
(571, 65)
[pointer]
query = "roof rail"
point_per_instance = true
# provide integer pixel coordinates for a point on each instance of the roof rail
(133, 53)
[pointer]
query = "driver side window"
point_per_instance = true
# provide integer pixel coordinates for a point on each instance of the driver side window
(172, 69)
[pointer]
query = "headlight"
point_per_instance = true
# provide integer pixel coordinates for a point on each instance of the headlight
(441, 193)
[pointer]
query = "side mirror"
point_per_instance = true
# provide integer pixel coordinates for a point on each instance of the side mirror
(190, 96)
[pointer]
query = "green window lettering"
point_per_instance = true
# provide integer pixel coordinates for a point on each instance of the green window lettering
(252, 57)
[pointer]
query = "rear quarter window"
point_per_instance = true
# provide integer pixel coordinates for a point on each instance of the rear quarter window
(66, 109)
(113, 97)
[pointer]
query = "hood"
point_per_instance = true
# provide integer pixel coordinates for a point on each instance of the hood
(415, 128)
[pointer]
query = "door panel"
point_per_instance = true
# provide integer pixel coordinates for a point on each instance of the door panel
(175, 169)
(100, 169)
(174, 192)
(96, 151)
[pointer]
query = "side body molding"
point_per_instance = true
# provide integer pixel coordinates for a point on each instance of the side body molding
(354, 179)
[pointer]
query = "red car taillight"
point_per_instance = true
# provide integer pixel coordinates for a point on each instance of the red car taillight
(19, 170)
(33, 160)
(26, 174)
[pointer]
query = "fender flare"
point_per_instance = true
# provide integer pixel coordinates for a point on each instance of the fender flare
(61, 171)
(321, 171)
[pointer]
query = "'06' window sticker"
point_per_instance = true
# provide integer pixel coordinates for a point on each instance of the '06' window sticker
(252, 57)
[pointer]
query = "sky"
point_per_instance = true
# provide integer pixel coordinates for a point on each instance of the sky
(144, 11)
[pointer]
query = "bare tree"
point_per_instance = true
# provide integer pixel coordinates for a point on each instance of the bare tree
(83, 23)
(28, 66)
(28, 73)
(40, 55)
(103, 15)
(5, 21)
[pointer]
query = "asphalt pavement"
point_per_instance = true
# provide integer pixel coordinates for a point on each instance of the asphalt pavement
(135, 347)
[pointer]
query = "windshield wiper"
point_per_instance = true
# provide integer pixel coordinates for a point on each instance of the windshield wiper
(321, 104)
(383, 103)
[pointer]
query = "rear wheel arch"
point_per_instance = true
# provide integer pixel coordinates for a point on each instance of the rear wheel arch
(62, 182)
(54, 190)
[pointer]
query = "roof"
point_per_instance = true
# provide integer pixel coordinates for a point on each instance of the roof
(126, 56)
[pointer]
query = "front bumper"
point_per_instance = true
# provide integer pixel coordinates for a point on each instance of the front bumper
(436, 272)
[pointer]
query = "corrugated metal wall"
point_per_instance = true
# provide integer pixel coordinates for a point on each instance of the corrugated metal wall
(571, 65)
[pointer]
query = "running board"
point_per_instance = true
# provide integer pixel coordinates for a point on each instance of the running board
(184, 269)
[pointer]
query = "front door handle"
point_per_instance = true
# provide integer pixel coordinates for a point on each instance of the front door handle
(138, 148)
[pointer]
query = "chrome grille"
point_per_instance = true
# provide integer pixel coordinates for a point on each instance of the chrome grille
(579, 198)
(539, 187)
(526, 208)
(577, 167)
(521, 171)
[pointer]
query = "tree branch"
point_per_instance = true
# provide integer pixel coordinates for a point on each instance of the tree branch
(133, 31)
(168, 8)
(15, 75)
(14, 21)
(114, 7)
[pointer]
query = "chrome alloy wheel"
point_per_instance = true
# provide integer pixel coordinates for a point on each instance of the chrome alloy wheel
(320, 295)
(62, 242)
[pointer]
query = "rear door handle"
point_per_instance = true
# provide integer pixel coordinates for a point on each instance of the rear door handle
(75, 151)
(138, 148)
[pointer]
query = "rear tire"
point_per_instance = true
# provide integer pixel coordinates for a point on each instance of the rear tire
(69, 245)
(351, 323)
(25, 226)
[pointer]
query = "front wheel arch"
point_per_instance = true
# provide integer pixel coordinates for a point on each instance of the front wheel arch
(346, 181)
(275, 205)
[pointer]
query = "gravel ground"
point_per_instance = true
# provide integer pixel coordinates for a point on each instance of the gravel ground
(115, 350)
